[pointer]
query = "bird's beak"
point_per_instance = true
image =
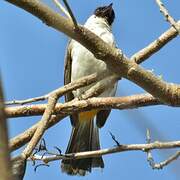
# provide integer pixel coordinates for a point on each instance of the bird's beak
(109, 8)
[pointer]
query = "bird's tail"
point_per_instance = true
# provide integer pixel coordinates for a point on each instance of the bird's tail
(84, 137)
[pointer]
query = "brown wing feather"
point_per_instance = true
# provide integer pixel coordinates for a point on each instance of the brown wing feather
(67, 71)
(67, 78)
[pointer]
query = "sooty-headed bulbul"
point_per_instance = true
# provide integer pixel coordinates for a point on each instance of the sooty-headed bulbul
(80, 62)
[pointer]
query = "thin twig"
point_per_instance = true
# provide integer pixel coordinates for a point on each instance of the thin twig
(167, 16)
(99, 87)
(149, 155)
(26, 101)
(150, 158)
(167, 161)
(114, 139)
(61, 8)
(85, 81)
(71, 13)
(40, 165)
(121, 148)
(155, 46)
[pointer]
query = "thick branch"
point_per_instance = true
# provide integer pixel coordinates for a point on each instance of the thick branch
(5, 166)
(166, 92)
(128, 102)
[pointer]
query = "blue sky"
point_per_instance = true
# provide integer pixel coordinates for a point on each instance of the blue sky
(31, 64)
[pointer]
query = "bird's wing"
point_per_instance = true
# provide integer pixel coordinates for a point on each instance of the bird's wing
(102, 115)
(67, 78)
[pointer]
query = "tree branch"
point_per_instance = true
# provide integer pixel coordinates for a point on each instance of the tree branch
(85, 81)
(128, 102)
(23, 138)
(121, 148)
(71, 13)
(166, 162)
(155, 46)
(150, 158)
(62, 9)
(116, 61)
(42, 124)
(167, 16)
(5, 166)
(65, 109)
(52, 100)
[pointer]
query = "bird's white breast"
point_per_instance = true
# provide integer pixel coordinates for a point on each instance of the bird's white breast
(83, 61)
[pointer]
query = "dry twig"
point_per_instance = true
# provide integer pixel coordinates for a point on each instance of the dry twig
(71, 14)
(150, 158)
(85, 81)
(26, 101)
(167, 16)
(155, 46)
(62, 9)
(121, 148)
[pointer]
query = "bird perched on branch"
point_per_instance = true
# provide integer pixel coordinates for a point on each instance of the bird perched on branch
(81, 62)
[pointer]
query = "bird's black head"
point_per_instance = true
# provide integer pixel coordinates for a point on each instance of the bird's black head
(106, 12)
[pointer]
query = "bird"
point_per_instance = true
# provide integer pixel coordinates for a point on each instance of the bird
(80, 62)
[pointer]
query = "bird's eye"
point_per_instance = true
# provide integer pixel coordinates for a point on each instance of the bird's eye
(99, 9)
